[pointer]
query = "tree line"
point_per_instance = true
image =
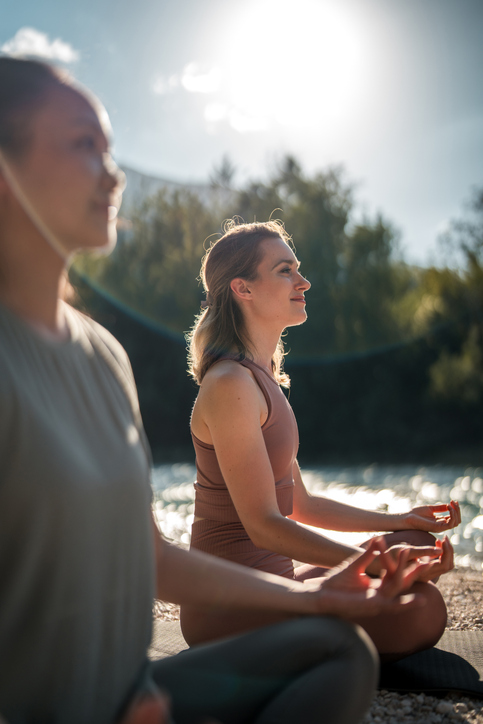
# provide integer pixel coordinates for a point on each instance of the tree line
(388, 365)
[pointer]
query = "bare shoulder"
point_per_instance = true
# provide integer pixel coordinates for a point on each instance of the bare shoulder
(228, 393)
(228, 379)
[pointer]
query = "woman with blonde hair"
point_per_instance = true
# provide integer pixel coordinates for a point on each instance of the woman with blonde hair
(80, 557)
(251, 503)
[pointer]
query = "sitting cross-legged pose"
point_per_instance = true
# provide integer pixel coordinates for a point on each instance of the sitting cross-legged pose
(251, 502)
(80, 557)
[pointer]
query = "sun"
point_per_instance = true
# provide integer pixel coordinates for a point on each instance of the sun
(293, 63)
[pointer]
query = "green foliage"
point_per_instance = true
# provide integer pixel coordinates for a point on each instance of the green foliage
(389, 363)
(458, 378)
(155, 265)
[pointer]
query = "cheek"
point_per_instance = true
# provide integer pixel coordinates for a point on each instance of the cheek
(94, 166)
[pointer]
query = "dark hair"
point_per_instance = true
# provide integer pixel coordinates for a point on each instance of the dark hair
(220, 328)
(23, 85)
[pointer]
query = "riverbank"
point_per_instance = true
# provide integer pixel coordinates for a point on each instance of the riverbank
(463, 592)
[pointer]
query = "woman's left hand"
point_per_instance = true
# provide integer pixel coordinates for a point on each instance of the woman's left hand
(425, 568)
(433, 518)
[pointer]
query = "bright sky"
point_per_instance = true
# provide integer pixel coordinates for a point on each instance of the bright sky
(391, 89)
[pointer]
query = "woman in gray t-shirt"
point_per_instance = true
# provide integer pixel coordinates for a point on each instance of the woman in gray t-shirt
(80, 558)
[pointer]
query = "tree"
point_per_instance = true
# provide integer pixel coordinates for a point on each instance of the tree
(457, 375)
(154, 269)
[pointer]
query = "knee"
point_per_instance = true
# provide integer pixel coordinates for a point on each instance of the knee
(411, 537)
(434, 615)
(421, 538)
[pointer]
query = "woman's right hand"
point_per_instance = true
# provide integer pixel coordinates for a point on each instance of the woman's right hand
(348, 592)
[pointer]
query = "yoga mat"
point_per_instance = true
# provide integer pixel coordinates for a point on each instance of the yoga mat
(454, 664)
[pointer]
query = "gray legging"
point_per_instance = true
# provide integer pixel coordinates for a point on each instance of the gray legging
(310, 670)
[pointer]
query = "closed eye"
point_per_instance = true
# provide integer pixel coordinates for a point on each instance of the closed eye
(87, 142)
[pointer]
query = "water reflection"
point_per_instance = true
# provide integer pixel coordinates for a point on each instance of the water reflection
(377, 487)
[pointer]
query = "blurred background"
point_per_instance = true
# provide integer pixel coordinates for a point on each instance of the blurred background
(359, 124)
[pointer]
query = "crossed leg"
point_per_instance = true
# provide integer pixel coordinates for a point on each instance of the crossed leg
(303, 670)
(401, 634)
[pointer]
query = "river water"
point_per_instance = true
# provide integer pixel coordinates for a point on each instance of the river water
(392, 488)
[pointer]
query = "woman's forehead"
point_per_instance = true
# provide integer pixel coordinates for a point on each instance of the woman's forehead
(67, 108)
(276, 247)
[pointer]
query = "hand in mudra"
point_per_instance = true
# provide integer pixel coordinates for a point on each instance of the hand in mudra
(434, 518)
(434, 564)
(348, 592)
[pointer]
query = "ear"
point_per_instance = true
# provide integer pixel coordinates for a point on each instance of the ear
(240, 289)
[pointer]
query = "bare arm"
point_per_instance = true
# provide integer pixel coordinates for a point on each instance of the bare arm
(197, 578)
(330, 514)
(229, 407)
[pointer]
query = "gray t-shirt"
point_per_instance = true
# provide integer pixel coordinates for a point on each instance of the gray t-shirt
(76, 550)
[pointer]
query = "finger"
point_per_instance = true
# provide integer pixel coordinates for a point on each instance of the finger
(440, 508)
(392, 583)
(400, 604)
(388, 563)
(420, 572)
(379, 543)
(455, 506)
(449, 522)
(453, 516)
(454, 513)
(425, 552)
(359, 562)
(448, 554)
(438, 568)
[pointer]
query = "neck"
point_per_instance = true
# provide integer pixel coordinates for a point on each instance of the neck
(31, 282)
(263, 344)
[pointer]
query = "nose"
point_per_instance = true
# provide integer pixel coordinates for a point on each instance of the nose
(117, 178)
(302, 283)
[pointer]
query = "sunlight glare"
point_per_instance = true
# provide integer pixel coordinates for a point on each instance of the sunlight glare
(295, 64)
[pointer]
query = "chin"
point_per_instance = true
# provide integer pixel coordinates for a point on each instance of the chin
(302, 319)
(102, 244)
(109, 244)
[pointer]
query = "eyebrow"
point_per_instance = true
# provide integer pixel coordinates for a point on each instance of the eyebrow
(285, 261)
(79, 121)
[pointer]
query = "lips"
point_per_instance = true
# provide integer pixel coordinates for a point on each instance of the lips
(108, 208)
(298, 299)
